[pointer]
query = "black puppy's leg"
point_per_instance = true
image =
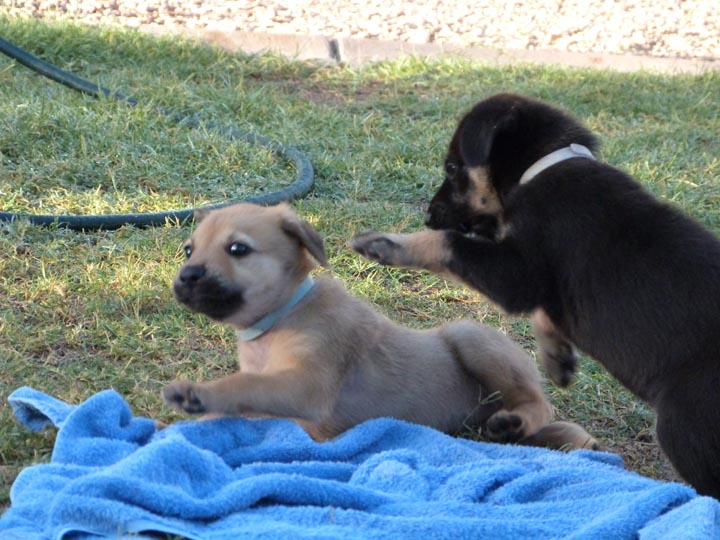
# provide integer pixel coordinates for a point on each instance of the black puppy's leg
(426, 250)
(687, 416)
(495, 269)
(556, 352)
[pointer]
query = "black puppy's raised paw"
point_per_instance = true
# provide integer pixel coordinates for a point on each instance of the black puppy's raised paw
(182, 395)
(377, 247)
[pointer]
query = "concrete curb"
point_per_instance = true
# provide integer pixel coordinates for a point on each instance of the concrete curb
(354, 51)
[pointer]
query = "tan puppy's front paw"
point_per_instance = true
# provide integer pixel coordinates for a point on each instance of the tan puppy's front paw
(183, 396)
(378, 247)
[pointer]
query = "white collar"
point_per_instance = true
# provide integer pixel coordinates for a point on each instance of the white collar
(572, 151)
(268, 321)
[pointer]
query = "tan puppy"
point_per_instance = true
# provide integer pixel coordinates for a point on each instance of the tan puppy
(310, 352)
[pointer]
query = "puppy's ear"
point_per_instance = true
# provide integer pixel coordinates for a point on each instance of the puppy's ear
(306, 235)
(199, 214)
(478, 135)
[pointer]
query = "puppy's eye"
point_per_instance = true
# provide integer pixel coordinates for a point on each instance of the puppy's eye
(451, 169)
(188, 251)
(238, 249)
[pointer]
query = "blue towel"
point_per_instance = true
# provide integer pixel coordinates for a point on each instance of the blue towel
(113, 475)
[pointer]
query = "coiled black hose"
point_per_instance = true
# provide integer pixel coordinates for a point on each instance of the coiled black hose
(299, 188)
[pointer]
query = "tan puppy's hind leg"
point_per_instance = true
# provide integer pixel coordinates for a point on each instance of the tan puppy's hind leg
(563, 436)
(502, 367)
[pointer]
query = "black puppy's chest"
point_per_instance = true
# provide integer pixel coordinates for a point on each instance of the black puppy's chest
(549, 225)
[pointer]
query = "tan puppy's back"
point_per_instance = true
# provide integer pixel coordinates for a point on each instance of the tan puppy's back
(395, 371)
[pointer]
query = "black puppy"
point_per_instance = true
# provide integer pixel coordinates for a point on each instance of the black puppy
(529, 218)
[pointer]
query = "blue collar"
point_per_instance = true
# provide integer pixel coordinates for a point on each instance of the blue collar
(263, 325)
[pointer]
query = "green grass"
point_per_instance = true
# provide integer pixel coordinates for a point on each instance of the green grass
(82, 312)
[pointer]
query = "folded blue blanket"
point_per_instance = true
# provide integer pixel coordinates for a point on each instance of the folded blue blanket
(113, 475)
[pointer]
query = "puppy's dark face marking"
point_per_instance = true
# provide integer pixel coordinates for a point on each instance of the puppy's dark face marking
(205, 293)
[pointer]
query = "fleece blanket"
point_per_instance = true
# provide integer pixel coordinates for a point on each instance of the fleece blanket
(113, 475)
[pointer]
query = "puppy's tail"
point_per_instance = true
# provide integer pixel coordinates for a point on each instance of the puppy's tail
(562, 436)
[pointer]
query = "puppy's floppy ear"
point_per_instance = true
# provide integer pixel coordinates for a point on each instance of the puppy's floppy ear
(199, 214)
(477, 136)
(306, 235)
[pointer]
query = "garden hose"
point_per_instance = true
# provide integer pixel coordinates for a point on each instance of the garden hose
(299, 188)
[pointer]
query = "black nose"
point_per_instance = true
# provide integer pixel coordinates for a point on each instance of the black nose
(191, 274)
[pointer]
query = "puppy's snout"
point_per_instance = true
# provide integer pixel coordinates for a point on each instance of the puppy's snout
(190, 275)
(435, 217)
(431, 215)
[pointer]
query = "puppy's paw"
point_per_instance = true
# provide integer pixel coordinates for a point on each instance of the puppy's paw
(378, 247)
(562, 435)
(504, 426)
(183, 396)
(560, 364)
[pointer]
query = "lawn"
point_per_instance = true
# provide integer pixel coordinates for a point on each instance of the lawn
(84, 311)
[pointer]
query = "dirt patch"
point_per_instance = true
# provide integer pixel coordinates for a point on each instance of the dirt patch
(320, 92)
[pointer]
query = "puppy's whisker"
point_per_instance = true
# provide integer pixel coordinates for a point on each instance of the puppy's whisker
(495, 397)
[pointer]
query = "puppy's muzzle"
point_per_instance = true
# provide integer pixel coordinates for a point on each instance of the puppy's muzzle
(203, 292)
(436, 219)
(458, 219)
